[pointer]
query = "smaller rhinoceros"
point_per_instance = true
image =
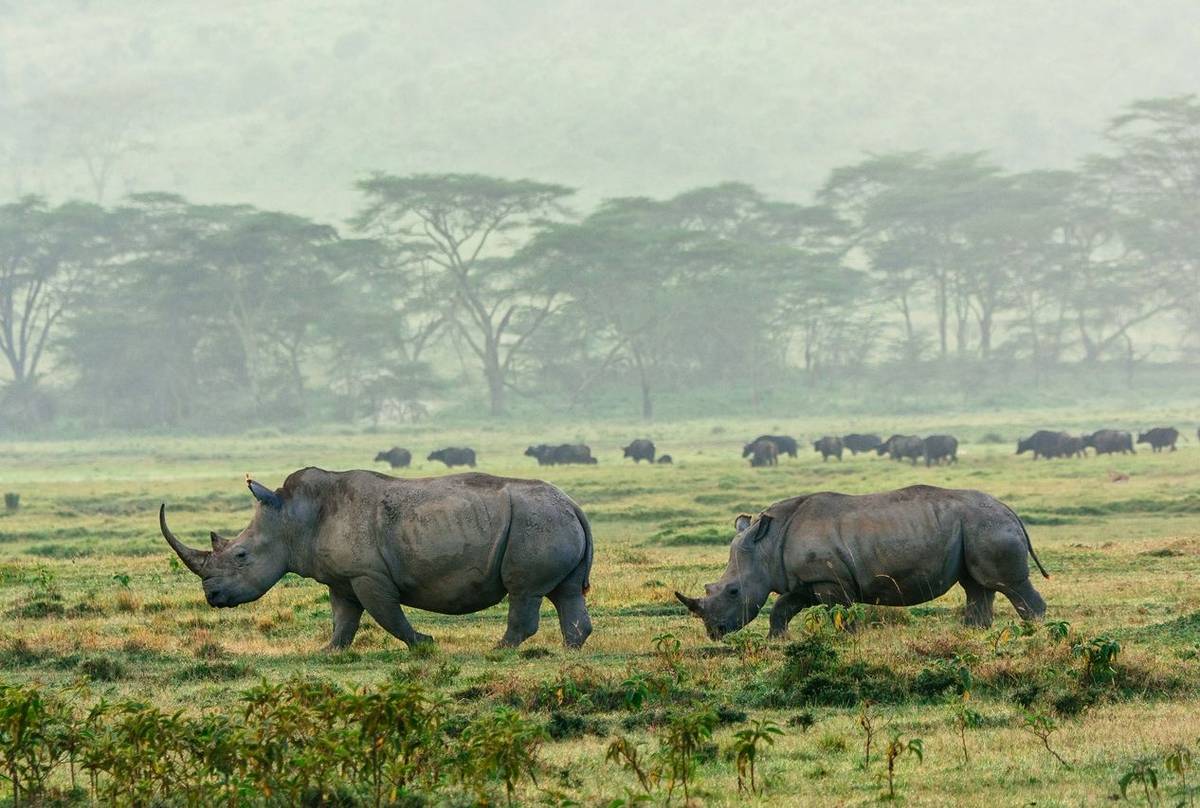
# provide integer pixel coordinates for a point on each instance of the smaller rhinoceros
(897, 548)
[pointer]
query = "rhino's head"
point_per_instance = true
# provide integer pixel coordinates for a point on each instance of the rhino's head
(1024, 445)
(735, 600)
(241, 569)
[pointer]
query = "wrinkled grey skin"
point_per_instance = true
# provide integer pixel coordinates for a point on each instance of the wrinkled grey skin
(452, 545)
(897, 548)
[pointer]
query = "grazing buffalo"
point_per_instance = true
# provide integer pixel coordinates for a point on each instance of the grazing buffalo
(764, 453)
(785, 444)
(1073, 446)
(454, 457)
(561, 455)
(1159, 438)
(640, 449)
(1043, 443)
(903, 447)
(828, 447)
(1110, 441)
(897, 548)
(861, 443)
(666, 460)
(395, 457)
(452, 545)
(937, 448)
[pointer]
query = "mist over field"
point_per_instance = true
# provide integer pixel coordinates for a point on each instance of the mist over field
(885, 207)
(284, 104)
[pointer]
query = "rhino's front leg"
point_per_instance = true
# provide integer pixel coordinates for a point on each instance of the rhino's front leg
(347, 612)
(786, 607)
(382, 602)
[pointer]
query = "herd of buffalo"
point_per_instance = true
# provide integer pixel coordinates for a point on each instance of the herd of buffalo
(464, 542)
(765, 450)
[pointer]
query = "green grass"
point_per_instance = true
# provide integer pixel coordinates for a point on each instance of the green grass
(1125, 559)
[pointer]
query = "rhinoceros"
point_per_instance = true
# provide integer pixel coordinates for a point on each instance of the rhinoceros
(897, 548)
(452, 545)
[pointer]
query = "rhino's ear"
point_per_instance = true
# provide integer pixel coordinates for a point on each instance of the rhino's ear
(764, 525)
(742, 521)
(263, 494)
(219, 542)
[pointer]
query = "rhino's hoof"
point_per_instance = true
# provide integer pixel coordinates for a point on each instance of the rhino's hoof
(421, 639)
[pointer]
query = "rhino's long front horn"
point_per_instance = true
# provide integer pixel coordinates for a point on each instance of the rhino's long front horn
(692, 604)
(192, 559)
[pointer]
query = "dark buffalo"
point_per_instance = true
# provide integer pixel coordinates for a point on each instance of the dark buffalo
(543, 453)
(454, 456)
(937, 448)
(828, 447)
(1159, 438)
(903, 447)
(640, 449)
(395, 457)
(764, 453)
(561, 455)
(1043, 443)
(1110, 441)
(897, 548)
(785, 444)
(1073, 446)
(665, 460)
(861, 443)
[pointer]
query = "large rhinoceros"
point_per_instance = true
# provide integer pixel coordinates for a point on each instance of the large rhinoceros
(896, 548)
(452, 545)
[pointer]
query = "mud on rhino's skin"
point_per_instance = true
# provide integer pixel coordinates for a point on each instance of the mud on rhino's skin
(897, 548)
(453, 545)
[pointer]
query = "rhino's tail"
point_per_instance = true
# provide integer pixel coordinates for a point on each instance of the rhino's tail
(1029, 543)
(586, 563)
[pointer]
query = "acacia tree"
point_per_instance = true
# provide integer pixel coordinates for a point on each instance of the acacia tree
(1152, 180)
(466, 230)
(48, 258)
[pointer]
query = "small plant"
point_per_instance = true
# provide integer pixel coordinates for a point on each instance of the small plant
(503, 745)
(1059, 630)
(1098, 654)
(669, 651)
(964, 718)
(629, 755)
(896, 748)
(1143, 773)
(1042, 726)
(866, 720)
(123, 579)
(1179, 762)
(635, 690)
(804, 721)
(746, 748)
(685, 735)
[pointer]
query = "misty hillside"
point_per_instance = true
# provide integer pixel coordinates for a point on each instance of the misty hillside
(284, 104)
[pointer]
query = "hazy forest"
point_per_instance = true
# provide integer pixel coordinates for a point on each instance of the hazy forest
(917, 273)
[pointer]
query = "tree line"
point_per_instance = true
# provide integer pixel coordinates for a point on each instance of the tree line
(158, 311)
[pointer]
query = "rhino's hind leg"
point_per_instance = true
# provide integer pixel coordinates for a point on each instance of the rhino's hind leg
(347, 612)
(382, 602)
(978, 611)
(1026, 600)
(524, 613)
(573, 618)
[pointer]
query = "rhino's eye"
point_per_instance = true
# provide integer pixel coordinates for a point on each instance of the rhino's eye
(240, 554)
(733, 591)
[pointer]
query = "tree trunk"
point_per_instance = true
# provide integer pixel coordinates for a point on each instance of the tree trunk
(495, 378)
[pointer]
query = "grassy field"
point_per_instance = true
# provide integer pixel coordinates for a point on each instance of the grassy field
(94, 607)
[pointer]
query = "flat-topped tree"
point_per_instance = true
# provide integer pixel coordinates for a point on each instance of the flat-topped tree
(464, 231)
